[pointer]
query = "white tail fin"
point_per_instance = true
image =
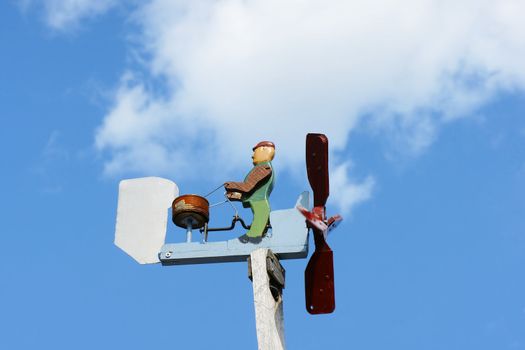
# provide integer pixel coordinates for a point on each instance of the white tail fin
(142, 216)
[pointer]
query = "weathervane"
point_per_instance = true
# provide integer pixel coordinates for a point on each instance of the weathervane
(142, 216)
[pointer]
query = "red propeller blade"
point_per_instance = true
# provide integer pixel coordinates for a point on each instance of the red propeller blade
(319, 278)
(317, 167)
(319, 273)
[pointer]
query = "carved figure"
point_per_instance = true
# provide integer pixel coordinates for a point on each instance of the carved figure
(254, 191)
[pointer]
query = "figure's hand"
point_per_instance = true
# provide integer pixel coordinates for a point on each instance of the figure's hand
(234, 196)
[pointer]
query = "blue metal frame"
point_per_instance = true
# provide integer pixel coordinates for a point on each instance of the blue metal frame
(288, 239)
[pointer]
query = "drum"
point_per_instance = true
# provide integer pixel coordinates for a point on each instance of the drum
(190, 210)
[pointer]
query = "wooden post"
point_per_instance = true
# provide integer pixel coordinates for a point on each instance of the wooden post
(269, 317)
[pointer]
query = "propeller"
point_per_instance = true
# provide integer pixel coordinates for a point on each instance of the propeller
(319, 273)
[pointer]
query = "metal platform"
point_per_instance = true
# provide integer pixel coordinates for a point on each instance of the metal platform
(288, 239)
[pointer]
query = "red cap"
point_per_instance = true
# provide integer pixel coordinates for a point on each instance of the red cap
(264, 144)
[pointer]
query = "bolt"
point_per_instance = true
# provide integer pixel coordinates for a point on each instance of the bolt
(168, 254)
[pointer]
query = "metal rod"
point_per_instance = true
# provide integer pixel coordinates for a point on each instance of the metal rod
(214, 190)
(231, 204)
(231, 227)
(188, 230)
(214, 205)
(205, 233)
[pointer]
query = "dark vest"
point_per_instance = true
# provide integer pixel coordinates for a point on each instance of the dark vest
(263, 190)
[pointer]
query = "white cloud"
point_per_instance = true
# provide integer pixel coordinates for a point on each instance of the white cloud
(347, 193)
(62, 14)
(238, 71)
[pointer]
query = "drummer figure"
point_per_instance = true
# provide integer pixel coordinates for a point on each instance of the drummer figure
(254, 191)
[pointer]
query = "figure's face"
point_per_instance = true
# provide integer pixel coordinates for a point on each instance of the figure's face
(262, 154)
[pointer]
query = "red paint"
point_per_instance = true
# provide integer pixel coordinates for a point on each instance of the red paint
(319, 278)
(317, 168)
(319, 273)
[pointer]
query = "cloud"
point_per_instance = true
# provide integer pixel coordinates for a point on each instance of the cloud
(347, 193)
(233, 72)
(64, 14)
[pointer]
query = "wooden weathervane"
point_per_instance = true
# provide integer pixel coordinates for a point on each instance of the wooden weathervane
(142, 218)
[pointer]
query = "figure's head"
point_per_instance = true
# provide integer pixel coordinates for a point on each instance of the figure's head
(264, 151)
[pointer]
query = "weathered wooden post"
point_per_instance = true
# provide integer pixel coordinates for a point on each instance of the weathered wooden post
(268, 277)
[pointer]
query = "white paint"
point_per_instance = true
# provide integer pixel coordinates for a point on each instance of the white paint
(142, 216)
(269, 316)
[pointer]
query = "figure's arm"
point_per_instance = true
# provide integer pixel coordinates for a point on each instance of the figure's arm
(260, 173)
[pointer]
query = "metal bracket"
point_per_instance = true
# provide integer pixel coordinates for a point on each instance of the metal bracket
(276, 272)
(204, 230)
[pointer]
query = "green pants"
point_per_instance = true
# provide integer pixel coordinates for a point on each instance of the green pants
(261, 214)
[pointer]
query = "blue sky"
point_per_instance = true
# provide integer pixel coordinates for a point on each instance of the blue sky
(424, 109)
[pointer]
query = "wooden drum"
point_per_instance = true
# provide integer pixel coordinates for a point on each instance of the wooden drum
(190, 210)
